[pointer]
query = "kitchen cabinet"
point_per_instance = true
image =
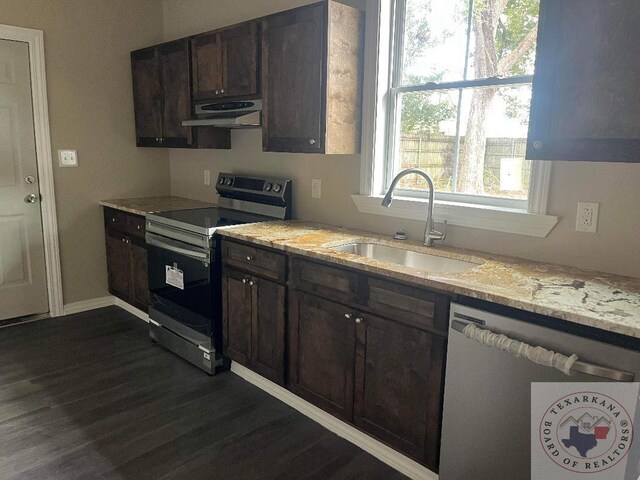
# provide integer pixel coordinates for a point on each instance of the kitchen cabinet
(322, 353)
(585, 97)
(398, 386)
(162, 99)
(253, 306)
(126, 257)
(225, 63)
(312, 79)
(376, 360)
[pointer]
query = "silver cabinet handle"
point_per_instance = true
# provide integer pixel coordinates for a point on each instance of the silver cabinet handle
(348, 316)
(31, 198)
(359, 320)
(251, 283)
(579, 366)
(245, 280)
(312, 141)
(249, 258)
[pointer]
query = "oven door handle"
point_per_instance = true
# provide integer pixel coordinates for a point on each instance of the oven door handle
(176, 247)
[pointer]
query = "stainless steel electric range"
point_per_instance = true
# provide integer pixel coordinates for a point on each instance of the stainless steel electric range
(184, 265)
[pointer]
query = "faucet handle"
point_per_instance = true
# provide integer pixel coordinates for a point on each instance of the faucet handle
(436, 235)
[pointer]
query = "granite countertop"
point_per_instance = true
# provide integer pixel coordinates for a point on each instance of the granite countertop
(144, 205)
(605, 301)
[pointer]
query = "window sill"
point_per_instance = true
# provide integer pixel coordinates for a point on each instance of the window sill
(462, 214)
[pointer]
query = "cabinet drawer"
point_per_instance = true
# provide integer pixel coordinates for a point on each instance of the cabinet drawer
(116, 220)
(255, 260)
(136, 225)
(325, 281)
(410, 305)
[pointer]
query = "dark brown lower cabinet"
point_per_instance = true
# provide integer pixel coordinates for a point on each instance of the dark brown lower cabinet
(118, 266)
(322, 353)
(381, 375)
(127, 257)
(398, 386)
(253, 323)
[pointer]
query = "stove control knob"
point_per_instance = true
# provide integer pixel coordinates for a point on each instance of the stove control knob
(268, 187)
(277, 188)
(221, 181)
(229, 181)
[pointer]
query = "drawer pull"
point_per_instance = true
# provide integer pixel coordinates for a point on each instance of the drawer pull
(359, 320)
(348, 316)
(252, 283)
(249, 258)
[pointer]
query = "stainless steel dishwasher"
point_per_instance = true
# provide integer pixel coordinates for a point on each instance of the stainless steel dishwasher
(487, 392)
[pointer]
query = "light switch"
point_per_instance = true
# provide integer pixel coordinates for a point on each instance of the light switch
(68, 158)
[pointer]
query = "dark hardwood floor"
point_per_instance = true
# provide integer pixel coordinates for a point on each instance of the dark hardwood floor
(88, 396)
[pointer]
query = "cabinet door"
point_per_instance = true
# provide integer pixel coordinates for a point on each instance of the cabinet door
(240, 60)
(585, 95)
(139, 275)
(118, 265)
(267, 342)
(293, 80)
(147, 97)
(399, 386)
(236, 316)
(176, 94)
(207, 66)
(322, 353)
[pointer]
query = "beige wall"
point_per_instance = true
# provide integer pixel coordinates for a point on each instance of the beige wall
(615, 248)
(87, 46)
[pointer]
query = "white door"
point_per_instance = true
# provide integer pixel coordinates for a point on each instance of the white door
(23, 286)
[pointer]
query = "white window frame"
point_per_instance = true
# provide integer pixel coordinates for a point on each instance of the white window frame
(473, 211)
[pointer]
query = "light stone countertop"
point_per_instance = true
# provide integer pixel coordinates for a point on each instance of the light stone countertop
(145, 205)
(605, 301)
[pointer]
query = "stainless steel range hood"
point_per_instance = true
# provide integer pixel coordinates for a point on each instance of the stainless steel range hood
(227, 114)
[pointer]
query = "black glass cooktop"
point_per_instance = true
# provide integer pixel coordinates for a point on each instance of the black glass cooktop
(204, 220)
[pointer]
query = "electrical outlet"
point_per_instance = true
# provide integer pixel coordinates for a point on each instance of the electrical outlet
(587, 217)
(207, 177)
(316, 188)
(68, 158)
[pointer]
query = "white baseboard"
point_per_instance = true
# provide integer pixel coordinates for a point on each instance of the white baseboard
(92, 304)
(132, 310)
(379, 450)
(86, 305)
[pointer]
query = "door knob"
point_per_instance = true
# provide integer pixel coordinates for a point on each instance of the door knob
(31, 198)
(29, 179)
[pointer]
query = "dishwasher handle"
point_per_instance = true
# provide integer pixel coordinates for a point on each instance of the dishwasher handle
(578, 366)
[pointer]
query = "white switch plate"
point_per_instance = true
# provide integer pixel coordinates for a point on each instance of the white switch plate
(68, 158)
(207, 177)
(316, 188)
(587, 217)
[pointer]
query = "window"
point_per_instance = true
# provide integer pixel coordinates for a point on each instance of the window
(459, 96)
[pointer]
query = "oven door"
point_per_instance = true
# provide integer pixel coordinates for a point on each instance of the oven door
(181, 286)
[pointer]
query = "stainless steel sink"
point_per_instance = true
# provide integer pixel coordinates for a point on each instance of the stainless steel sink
(409, 258)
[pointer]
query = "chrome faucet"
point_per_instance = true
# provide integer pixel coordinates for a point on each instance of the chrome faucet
(430, 235)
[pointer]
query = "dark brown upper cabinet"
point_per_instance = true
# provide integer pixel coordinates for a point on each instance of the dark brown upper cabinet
(162, 95)
(586, 103)
(312, 79)
(225, 63)
(162, 99)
